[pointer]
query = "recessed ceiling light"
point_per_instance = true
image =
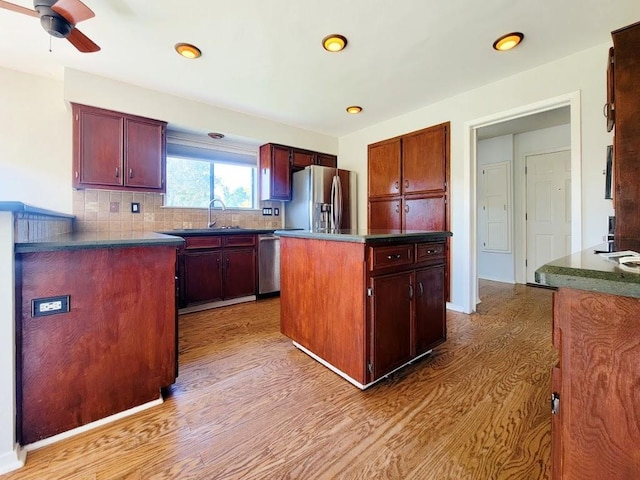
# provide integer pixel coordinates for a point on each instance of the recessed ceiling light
(187, 50)
(354, 109)
(508, 41)
(334, 42)
(216, 135)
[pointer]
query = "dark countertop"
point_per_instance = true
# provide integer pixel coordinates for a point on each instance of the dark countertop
(83, 240)
(367, 236)
(587, 270)
(19, 207)
(197, 232)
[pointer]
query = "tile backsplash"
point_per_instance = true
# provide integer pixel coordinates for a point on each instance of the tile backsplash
(110, 211)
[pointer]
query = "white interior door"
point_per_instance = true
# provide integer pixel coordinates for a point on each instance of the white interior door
(548, 209)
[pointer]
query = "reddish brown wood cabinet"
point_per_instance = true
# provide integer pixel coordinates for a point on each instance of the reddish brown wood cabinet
(363, 308)
(277, 164)
(216, 268)
(596, 427)
(117, 151)
(624, 100)
(114, 350)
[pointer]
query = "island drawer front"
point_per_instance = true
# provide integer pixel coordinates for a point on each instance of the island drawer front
(239, 240)
(391, 256)
(429, 251)
(202, 242)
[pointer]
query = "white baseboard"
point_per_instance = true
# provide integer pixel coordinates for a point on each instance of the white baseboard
(501, 280)
(221, 303)
(455, 308)
(12, 460)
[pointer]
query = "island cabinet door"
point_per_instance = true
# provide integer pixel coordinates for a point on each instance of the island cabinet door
(390, 322)
(203, 276)
(430, 327)
(239, 273)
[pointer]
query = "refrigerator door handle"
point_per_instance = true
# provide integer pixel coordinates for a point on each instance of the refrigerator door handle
(334, 187)
(339, 203)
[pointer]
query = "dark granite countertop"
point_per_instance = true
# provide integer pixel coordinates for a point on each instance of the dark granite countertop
(83, 240)
(587, 270)
(197, 232)
(19, 207)
(367, 236)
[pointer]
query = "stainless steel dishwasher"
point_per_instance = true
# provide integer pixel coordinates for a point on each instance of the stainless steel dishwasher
(268, 264)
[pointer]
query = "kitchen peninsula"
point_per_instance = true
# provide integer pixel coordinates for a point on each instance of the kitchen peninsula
(96, 322)
(363, 304)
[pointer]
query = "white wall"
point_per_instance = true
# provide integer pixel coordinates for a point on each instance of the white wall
(583, 71)
(35, 141)
(492, 265)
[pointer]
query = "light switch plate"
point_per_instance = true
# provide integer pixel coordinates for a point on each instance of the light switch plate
(135, 207)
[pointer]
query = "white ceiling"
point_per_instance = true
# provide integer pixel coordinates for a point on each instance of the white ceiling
(264, 57)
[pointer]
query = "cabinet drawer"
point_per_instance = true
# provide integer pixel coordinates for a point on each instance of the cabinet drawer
(239, 240)
(202, 242)
(391, 256)
(429, 251)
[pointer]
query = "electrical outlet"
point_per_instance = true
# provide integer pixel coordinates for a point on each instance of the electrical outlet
(267, 211)
(41, 307)
(135, 207)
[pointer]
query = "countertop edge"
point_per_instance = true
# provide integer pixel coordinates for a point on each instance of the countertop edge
(61, 243)
(365, 238)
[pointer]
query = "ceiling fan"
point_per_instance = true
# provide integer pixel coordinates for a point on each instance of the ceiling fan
(59, 19)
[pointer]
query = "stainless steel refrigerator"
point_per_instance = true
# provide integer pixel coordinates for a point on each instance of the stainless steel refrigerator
(323, 199)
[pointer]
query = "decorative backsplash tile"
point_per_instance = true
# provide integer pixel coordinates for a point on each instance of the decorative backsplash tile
(110, 211)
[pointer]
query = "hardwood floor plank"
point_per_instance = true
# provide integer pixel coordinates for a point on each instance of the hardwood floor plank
(248, 405)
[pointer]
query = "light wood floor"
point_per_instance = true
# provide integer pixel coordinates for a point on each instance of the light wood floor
(249, 405)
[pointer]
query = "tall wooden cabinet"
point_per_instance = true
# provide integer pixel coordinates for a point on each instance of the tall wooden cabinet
(624, 112)
(408, 179)
(117, 151)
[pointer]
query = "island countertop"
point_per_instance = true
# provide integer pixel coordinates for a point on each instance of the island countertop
(368, 236)
(587, 270)
(84, 240)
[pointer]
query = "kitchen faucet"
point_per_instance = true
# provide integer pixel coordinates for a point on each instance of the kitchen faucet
(211, 224)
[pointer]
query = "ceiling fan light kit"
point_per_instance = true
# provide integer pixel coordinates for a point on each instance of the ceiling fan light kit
(59, 18)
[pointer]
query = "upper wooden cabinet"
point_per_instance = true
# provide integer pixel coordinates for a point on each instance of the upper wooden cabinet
(277, 164)
(117, 151)
(384, 167)
(626, 95)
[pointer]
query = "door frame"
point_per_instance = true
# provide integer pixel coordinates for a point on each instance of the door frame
(572, 100)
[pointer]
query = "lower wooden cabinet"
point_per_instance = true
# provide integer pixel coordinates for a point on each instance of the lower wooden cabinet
(595, 426)
(221, 267)
(430, 326)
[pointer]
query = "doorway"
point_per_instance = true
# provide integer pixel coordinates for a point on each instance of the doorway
(472, 130)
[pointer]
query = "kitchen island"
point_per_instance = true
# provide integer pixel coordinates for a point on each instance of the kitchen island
(96, 328)
(595, 428)
(363, 304)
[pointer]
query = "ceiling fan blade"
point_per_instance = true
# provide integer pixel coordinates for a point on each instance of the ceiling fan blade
(73, 10)
(82, 42)
(17, 8)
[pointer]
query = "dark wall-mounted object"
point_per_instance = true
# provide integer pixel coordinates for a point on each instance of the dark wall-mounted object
(608, 179)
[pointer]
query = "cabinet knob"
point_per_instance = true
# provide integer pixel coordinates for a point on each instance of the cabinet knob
(555, 403)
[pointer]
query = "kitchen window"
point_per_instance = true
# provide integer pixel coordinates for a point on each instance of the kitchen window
(199, 171)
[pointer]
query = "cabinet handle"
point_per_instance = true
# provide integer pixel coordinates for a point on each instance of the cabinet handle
(406, 184)
(394, 257)
(76, 174)
(406, 208)
(555, 403)
(410, 291)
(421, 288)
(396, 185)
(397, 208)
(431, 251)
(131, 173)
(117, 172)
(218, 263)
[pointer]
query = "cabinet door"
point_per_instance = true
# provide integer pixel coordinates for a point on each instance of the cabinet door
(301, 158)
(326, 160)
(98, 141)
(144, 153)
(390, 322)
(424, 160)
(426, 213)
(385, 214)
(240, 273)
(203, 276)
(384, 168)
(275, 173)
(430, 327)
